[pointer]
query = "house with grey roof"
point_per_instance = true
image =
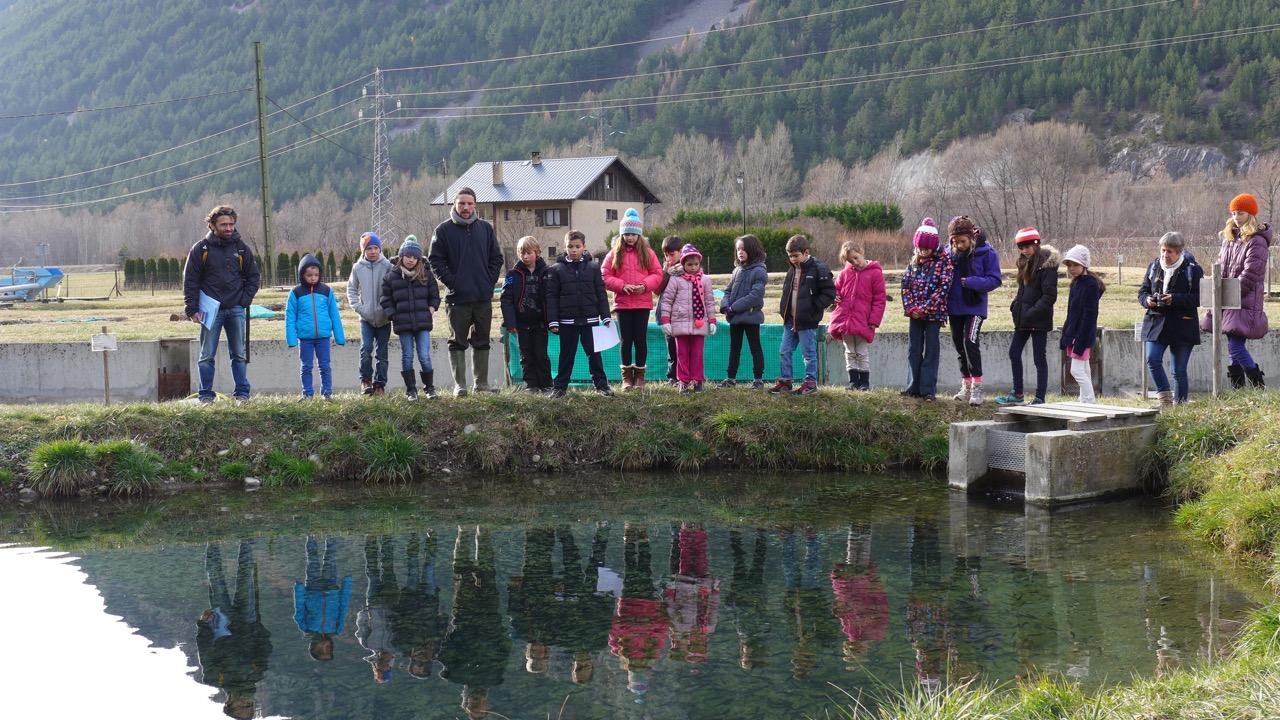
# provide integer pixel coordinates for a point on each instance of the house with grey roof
(548, 197)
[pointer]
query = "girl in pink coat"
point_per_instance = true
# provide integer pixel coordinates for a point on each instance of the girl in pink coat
(860, 301)
(689, 315)
(632, 273)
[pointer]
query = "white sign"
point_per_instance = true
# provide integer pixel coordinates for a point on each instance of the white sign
(1137, 331)
(103, 343)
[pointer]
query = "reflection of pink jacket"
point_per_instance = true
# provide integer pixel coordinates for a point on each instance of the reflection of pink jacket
(862, 605)
(677, 304)
(861, 300)
(639, 631)
(632, 272)
(692, 597)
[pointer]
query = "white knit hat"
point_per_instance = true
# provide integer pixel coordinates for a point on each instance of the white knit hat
(1079, 255)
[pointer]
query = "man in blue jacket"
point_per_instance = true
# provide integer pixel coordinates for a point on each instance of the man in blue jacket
(465, 257)
(222, 267)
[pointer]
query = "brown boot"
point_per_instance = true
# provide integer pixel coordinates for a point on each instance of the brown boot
(1166, 398)
(637, 376)
(626, 378)
(366, 386)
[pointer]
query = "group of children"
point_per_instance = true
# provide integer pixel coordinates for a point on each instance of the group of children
(569, 298)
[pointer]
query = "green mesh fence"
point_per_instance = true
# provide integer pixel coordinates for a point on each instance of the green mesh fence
(716, 357)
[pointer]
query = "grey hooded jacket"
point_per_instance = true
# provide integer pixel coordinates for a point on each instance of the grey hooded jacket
(364, 290)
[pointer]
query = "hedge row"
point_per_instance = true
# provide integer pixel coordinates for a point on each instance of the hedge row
(851, 216)
(716, 245)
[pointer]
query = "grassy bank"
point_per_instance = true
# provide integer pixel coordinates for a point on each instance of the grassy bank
(68, 449)
(1221, 461)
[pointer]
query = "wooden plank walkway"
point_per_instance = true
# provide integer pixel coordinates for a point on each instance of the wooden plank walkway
(1079, 416)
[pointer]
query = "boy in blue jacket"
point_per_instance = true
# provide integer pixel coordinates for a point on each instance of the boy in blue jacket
(320, 603)
(311, 318)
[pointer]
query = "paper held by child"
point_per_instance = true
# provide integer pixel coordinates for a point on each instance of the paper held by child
(604, 337)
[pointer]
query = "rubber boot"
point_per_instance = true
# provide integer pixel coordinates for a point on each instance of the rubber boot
(429, 383)
(637, 376)
(853, 380)
(1255, 376)
(864, 380)
(458, 364)
(1235, 373)
(410, 391)
(480, 369)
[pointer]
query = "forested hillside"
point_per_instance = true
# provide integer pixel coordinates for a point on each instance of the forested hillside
(850, 78)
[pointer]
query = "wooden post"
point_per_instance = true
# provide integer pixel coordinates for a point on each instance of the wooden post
(1216, 298)
(106, 374)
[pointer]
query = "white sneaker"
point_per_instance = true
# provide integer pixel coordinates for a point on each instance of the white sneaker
(963, 395)
(975, 394)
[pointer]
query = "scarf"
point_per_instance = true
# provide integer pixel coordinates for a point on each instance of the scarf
(458, 219)
(699, 309)
(1171, 270)
(411, 275)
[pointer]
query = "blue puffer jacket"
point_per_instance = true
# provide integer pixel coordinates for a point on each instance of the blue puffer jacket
(321, 611)
(976, 273)
(312, 310)
(743, 302)
(1081, 327)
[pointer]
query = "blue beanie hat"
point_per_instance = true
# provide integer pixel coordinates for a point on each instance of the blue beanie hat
(370, 238)
(410, 246)
(630, 223)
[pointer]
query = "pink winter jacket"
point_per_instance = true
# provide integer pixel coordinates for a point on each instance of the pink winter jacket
(677, 305)
(632, 272)
(861, 300)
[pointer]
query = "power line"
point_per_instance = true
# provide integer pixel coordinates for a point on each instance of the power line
(628, 43)
(317, 133)
(796, 56)
(124, 107)
(674, 98)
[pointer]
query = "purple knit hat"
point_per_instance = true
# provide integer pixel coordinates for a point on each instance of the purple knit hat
(926, 237)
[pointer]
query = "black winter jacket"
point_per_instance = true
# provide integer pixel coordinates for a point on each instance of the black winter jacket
(1032, 307)
(575, 293)
(1177, 323)
(467, 260)
(225, 270)
(523, 296)
(817, 293)
(1081, 327)
(409, 304)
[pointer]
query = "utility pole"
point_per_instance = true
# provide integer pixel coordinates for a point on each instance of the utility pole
(267, 256)
(384, 219)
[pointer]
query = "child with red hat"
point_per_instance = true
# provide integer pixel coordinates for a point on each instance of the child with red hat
(1032, 310)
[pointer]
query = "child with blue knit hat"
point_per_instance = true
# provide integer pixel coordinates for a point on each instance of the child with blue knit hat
(364, 295)
(409, 297)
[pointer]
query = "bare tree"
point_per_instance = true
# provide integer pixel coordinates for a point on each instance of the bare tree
(694, 172)
(768, 166)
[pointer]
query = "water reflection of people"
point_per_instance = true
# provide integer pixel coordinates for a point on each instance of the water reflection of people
(638, 635)
(861, 602)
(373, 623)
(320, 602)
(747, 599)
(232, 644)
(927, 629)
(531, 599)
(692, 596)
(417, 625)
(808, 609)
(475, 648)
(586, 610)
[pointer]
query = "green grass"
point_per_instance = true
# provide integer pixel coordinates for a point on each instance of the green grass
(388, 454)
(234, 471)
(61, 467)
(127, 468)
(7, 477)
(284, 470)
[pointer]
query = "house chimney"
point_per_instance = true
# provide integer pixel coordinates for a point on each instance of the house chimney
(535, 157)
(497, 173)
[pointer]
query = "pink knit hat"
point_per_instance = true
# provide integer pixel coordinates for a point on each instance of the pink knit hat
(926, 237)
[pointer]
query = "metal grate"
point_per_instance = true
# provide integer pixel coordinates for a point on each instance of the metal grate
(1007, 450)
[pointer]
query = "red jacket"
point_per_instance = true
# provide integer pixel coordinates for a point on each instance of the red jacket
(861, 302)
(632, 272)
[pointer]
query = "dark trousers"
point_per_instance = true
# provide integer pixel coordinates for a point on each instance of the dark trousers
(633, 331)
(1039, 339)
(671, 358)
(534, 361)
(752, 333)
(570, 337)
(922, 356)
(964, 335)
(469, 325)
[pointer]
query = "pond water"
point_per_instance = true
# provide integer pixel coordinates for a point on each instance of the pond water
(609, 597)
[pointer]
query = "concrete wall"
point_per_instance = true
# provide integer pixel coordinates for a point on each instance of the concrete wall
(70, 372)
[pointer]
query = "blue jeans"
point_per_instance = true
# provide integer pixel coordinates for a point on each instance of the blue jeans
(1239, 353)
(922, 357)
(311, 353)
(808, 342)
(370, 338)
(232, 320)
(1155, 364)
(420, 339)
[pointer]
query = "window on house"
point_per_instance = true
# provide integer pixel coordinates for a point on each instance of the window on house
(506, 214)
(610, 215)
(608, 181)
(553, 217)
(551, 252)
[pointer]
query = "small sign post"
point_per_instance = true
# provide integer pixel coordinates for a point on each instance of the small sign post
(1224, 294)
(104, 343)
(1142, 354)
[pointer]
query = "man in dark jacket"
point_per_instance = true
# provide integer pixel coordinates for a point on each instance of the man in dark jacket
(465, 257)
(807, 292)
(232, 645)
(222, 268)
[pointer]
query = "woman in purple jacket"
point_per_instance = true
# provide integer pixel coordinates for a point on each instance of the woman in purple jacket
(1245, 243)
(976, 273)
